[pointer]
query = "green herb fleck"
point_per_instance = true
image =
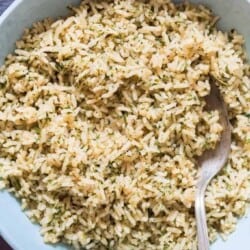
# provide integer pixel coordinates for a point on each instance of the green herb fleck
(3, 82)
(219, 80)
(37, 130)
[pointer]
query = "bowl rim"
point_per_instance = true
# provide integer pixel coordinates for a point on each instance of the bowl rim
(3, 233)
(9, 9)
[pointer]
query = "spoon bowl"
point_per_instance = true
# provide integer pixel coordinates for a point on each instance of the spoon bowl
(211, 162)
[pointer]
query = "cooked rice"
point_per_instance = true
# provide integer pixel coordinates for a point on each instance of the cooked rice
(102, 118)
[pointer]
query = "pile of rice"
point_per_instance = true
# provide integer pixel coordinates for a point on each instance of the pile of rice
(102, 119)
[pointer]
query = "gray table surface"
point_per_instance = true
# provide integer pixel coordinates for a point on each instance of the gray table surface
(3, 5)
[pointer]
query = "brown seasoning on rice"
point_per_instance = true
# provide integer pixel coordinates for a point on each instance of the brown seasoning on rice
(102, 117)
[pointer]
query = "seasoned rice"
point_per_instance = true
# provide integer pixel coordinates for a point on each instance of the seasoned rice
(102, 118)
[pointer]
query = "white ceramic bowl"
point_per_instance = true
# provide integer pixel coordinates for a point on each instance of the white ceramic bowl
(15, 227)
